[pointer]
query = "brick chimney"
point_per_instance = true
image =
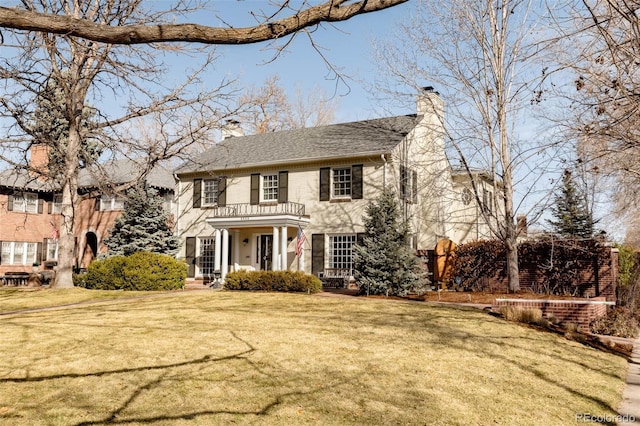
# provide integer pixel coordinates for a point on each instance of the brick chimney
(38, 159)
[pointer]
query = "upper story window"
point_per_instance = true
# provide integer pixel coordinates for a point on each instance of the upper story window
(57, 204)
(111, 202)
(487, 200)
(210, 192)
(341, 181)
(25, 202)
(270, 188)
(408, 184)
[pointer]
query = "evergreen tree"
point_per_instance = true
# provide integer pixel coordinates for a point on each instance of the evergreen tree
(50, 126)
(143, 226)
(573, 218)
(383, 262)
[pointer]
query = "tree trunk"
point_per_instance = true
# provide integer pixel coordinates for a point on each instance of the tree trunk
(70, 207)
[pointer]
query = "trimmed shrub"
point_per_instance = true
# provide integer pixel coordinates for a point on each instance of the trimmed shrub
(142, 271)
(272, 281)
(619, 322)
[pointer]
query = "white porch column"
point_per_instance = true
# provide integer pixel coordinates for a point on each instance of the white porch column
(236, 249)
(275, 251)
(216, 259)
(283, 249)
(225, 254)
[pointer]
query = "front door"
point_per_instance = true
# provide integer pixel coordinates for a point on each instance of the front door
(265, 252)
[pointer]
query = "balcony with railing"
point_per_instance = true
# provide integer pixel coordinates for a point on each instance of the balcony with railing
(258, 210)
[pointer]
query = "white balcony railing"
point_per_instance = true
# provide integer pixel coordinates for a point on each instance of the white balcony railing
(248, 210)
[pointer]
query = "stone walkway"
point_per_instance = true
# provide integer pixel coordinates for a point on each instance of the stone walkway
(630, 407)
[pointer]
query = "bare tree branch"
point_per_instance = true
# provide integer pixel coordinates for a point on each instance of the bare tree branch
(330, 11)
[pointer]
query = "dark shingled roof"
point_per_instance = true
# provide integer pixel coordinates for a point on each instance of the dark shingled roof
(368, 137)
(116, 171)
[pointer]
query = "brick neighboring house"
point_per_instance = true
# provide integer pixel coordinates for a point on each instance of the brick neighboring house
(241, 203)
(30, 213)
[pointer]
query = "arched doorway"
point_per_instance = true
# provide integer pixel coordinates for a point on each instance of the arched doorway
(90, 249)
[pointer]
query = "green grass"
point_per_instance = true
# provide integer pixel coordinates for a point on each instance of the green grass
(255, 358)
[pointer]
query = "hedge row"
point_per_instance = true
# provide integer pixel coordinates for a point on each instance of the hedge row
(142, 271)
(272, 281)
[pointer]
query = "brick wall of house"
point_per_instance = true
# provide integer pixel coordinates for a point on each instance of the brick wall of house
(578, 312)
(25, 227)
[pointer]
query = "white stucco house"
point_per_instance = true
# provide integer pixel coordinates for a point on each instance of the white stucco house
(242, 203)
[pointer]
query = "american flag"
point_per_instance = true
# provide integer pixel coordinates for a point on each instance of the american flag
(300, 241)
(54, 232)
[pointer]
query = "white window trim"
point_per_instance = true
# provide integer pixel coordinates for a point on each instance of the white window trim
(21, 202)
(110, 202)
(330, 254)
(333, 189)
(262, 188)
(57, 204)
(46, 250)
(203, 194)
(199, 247)
(24, 256)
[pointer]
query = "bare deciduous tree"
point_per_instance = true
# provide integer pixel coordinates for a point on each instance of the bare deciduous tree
(102, 49)
(604, 97)
(68, 18)
(482, 57)
(268, 108)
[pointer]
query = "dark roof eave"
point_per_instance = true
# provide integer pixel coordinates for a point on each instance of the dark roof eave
(298, 161)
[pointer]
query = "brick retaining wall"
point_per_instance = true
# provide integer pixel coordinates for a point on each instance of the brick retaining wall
(578, 312)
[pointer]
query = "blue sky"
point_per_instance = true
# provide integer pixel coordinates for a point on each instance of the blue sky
(347, 45)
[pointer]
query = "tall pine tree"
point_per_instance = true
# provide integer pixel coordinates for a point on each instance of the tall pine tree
(143, 226)
(572, 217)
(383, 261)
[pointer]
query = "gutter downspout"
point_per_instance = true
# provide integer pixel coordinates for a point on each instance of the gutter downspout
(384, 171)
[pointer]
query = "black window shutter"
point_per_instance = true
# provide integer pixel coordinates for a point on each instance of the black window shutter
(255, 188)
(317, 253)
(0, 256)
(97, 205)
(197, 193)
(10, 203)
(39, 254)
(283, 187)
(40, 205)
(222, 191)
(190, 256)
(414, 186)
(49, 207)
(325, 184)
(356, 182)
(403, 182)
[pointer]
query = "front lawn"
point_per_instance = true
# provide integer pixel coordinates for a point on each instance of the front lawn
(257, 358)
